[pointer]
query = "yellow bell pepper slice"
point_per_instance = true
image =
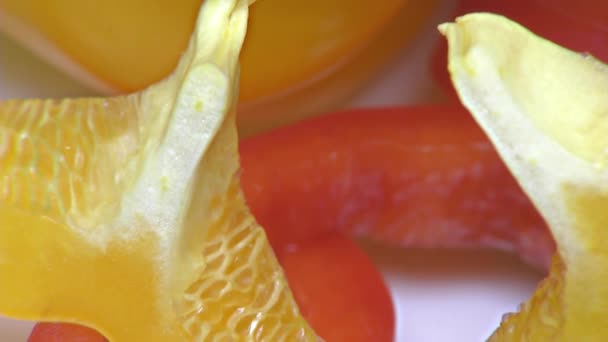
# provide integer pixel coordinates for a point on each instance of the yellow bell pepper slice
(545, 109)
(125, 214)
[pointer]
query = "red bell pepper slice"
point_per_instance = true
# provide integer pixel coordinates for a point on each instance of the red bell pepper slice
(419, 176)
(64, 332)
(338, 289)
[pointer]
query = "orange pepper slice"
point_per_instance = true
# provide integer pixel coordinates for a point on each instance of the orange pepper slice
(297, 60)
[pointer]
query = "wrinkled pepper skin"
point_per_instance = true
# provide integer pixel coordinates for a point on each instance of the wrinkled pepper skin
(414, 176)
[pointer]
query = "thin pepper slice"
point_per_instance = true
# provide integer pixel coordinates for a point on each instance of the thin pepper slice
(129, 209)
(580, 26)
(544, 108)
(419, 176)
(64, 332)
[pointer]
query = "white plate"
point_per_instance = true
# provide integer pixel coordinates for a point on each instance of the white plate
(439, 295)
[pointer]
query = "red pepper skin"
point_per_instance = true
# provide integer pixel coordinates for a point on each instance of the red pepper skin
(577, 25)
(64, 332)
(419, 176)
(339, 290)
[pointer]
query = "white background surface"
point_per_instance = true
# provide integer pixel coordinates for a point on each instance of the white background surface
(439, 295)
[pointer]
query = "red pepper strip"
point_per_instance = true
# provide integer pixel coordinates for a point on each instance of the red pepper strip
(420, 176)
(578, 25)
(64, 332)
(339, 291)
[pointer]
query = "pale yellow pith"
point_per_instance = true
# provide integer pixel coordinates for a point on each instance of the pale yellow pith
(545, 109)
(125, 214)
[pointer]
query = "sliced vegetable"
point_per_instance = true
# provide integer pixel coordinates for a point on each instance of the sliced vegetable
(298, 59)
(544, 108)
(133, 35)
(64, 332)
(419, 176)
(336, 286)
(126, 215)
(339, 290)
(578, 25)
